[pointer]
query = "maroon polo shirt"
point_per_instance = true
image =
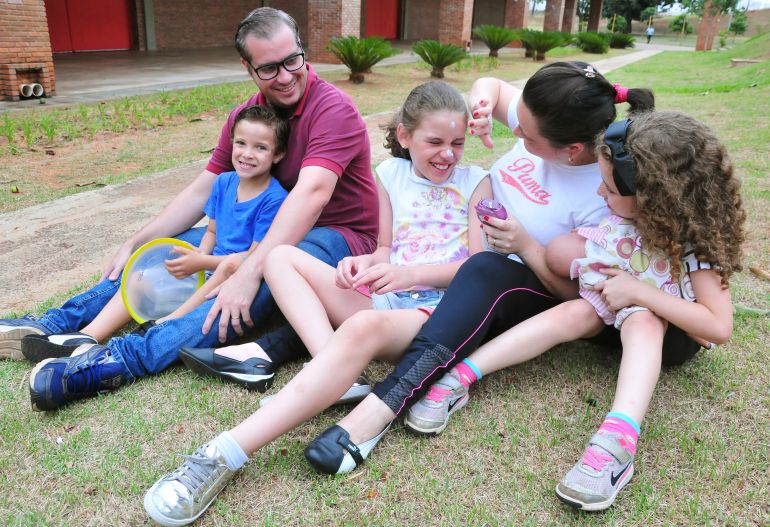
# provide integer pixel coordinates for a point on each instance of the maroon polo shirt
(327, 131)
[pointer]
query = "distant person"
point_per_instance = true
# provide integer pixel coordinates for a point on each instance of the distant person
(331, 212)
(650, 31)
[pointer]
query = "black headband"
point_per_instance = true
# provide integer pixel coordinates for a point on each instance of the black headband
(623, 166)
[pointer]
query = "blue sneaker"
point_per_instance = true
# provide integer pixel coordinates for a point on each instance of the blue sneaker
(12, 330)
(89, 371)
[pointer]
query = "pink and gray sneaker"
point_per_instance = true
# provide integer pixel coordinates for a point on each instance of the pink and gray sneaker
(594, 482)
(430, 415)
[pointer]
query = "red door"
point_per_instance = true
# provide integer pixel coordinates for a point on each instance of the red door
(89, 25)
(381, 18)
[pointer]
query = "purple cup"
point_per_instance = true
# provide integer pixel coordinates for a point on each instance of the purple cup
(491, 207)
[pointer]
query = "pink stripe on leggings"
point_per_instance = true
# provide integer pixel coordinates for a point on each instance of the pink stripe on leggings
(454, 353)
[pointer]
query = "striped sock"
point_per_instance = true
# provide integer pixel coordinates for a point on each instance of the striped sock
(624, 426)
(468, 372)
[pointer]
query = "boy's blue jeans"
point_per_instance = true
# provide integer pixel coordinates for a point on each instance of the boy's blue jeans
(159, 347)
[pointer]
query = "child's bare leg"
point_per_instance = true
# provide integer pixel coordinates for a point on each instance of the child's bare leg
(642, 336)
(607, 462)
(382, 334)
(565, 322)
(223, 271)
(365, 336)
(560, 252)
(304, 289)
(517, 345)
(111, 318)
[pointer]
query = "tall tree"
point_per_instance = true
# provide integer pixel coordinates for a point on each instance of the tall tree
(710, 12)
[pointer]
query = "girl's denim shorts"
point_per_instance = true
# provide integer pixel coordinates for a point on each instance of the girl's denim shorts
(407, 300)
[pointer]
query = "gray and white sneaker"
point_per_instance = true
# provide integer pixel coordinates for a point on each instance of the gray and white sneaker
(594, 482)
(430, 415)
(180, 497)
(12, 330)
(360, 389)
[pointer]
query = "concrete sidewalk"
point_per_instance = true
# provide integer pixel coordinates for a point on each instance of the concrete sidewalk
(99, 76)
(49, 248)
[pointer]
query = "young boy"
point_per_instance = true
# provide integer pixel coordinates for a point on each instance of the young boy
(241, 207)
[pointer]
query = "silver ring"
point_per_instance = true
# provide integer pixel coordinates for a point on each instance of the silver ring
(235, 318)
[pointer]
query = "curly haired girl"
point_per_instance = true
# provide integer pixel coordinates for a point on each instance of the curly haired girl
(665, 255)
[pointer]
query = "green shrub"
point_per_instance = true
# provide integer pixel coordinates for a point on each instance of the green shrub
(543, 41)
(523, 36)
(495, 37)
(740, 22)
(620, 24)
(723, 39)
(592, 42)
(676, 24)
(648, 12)
(621, 40)
(360, 54)
(438, 55)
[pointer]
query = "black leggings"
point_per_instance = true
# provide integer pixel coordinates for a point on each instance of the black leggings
(489, 295)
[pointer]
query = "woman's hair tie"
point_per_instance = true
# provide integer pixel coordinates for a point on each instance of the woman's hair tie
(621, 93)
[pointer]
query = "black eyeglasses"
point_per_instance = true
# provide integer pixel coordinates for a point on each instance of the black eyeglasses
(290, 63)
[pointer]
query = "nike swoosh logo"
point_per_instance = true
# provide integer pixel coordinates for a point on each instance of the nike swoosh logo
(615, 477)
(453, 403)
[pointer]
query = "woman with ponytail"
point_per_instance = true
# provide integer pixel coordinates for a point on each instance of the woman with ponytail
(547, 182)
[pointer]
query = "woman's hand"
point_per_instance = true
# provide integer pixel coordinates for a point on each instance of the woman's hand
(481, 123)
(384, 278)
(506, 236)
(186, 264)
(621, 289)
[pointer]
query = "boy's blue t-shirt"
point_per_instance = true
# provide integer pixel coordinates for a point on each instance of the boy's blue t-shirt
(240, 224)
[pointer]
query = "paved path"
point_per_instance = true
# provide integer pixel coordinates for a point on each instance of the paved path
(48, 248)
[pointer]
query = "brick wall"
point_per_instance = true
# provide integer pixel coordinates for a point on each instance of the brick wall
(140, 32)
(327, 19)
(298, 10)
(212, 23)
(25, 49)
(516, 16)
(488, 12)
(421, 22)
(454, 21)
(198, 23)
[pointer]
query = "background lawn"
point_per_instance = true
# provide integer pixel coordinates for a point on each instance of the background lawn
(703, 455)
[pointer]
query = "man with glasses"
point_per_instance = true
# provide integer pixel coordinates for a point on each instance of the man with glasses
(331, 212)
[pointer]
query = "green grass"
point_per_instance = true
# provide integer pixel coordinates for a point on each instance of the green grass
(704, 455)
(47, 126)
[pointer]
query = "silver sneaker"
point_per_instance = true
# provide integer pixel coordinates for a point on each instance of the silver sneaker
(594, 482)
(430, 415)
(180, 497)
